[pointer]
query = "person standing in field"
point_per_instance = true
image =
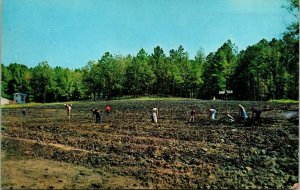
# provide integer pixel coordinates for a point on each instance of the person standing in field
(154, 115)
(107, 110)
(68, 107)
(212, 113)
(243, 112)
(98, 115)
(193, 113)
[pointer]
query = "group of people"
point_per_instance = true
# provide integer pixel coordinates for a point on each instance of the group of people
(154, 113)
(212, 114)
(97, 113)
(243, 114)
(255, 113)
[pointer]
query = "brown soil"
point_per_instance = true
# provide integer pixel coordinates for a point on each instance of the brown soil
(45, 150)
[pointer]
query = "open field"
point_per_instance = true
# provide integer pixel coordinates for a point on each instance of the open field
(44, 150)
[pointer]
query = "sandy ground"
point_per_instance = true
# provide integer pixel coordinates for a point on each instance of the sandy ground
(18, 173)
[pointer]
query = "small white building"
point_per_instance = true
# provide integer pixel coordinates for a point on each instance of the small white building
(19, 97)
(5, 101)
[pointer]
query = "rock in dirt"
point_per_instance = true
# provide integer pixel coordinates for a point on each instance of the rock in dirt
(248, 168)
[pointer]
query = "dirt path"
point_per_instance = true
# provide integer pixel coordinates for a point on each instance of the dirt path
(60, 146)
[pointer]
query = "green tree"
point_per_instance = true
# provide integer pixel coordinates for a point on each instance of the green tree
(196, 77)
(93, 80)
(79, 91)
(248, 73)
(63, 84)
(179, 68)
(139, 76)
(19, 80)
(210, 77)
(259, 72)
(113, 69)
(5, 78)
(218, 69)
(161, 70)
(41, 81)
(290, 54)
(269, 70)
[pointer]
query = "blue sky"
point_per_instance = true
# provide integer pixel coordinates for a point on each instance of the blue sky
(69, 33)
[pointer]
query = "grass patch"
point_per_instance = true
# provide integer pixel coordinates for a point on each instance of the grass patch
(128, 98)
(159, 98)
(35, 104)
(125, 98)
(148, 98)
(21, 105)
(286, 101)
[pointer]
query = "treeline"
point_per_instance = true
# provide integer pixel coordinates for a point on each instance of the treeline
(266, 70)
(263, 71)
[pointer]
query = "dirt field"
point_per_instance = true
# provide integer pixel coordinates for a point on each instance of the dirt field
(44, 150)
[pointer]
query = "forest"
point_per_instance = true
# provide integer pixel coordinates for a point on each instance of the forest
(263, 71)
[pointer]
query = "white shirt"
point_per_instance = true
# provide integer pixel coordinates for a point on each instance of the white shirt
(154, 110)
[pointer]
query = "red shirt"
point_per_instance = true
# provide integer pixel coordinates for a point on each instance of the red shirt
(107, 108)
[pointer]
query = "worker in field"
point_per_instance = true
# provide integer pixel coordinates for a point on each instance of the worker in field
(230, 118)
(68, 107)
(98, 115)
(192, 113)
(154, 114)
(243, 112)
(93, 111)
(107, 110)
(255, 114)
(24, 111)
(212, 113)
